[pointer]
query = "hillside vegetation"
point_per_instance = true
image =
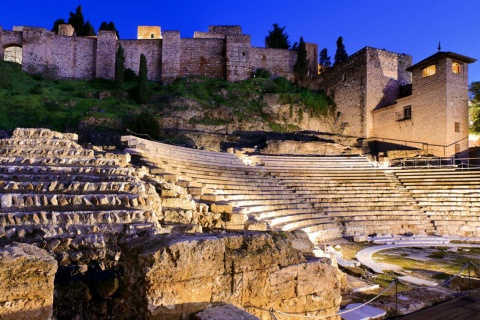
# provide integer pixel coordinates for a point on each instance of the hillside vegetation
(95, 106)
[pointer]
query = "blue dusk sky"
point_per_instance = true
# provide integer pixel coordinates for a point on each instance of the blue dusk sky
(408, 26)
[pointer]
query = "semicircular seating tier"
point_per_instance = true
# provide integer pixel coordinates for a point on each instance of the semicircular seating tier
(449, 196)
(327, 197)
(52, 188)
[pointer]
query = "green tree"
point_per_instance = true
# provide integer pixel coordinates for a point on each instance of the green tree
(109, 27)
(89, 31)
(474, 107)
(144, 123)
(77, 21)
(277, 38)
(142, 96)
(57, 23)
(324, 59)
(301, 67)
(103, 26)
(119, 67)
(341, 54)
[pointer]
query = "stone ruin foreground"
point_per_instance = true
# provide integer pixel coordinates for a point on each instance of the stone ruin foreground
(85, 233)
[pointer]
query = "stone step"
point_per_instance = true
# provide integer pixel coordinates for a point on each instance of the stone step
(387, 222)
(451, 223)
(93, 162)
(278, 213)
(303, 223)
(39, 143)
(339, 184)
(45, 152)
(271, 207)
(280, 220)
(66, 178)
(260, 187)
(21, 203)
(71, 187)
(62, 218)
(13, 169)
(382, 217)
(309, 175)
(437, 208)
(250, 196)
(347, 211)
(453, 215)
(319, 236)
(359, 201)
(182, 165)
(266, 201)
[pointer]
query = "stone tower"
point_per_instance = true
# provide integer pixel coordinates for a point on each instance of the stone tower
(434, 117)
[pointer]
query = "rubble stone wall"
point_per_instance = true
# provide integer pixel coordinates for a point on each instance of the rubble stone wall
(152, 49)
(202, 57)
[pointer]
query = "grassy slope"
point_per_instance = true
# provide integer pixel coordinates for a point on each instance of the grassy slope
(33, 101)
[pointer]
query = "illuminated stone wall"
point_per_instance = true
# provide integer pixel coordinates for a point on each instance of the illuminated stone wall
(149, 32)
(369, 79)
(105, 57)
(66, 30)
(277, 61)
(437, 102)
(203, 57)
(152, 49)
(222, 52)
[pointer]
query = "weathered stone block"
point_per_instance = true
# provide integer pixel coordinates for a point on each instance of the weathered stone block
(171, 277)
(26, 282)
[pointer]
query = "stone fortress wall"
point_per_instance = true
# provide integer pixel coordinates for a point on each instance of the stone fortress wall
(222, 52)
(373, 87)
(369, 79)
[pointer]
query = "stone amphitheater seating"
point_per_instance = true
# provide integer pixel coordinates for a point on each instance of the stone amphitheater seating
(353, 192)
(450, 197)
(51, 188)
(324, 196)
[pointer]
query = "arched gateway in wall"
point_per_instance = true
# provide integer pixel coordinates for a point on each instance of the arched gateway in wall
(11, 45)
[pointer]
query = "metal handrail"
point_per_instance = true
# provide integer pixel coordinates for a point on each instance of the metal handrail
(439, 162)
(405, 142)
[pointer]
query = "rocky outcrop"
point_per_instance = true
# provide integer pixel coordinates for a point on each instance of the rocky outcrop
(26, 282)
(172, 277)
(308, 148)
(225, 312)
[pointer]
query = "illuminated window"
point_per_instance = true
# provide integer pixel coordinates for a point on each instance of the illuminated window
(457, 126)
(429, 71)
(456, 67)
(407, 112)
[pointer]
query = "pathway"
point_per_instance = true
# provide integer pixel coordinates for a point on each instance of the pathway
(365, 255)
